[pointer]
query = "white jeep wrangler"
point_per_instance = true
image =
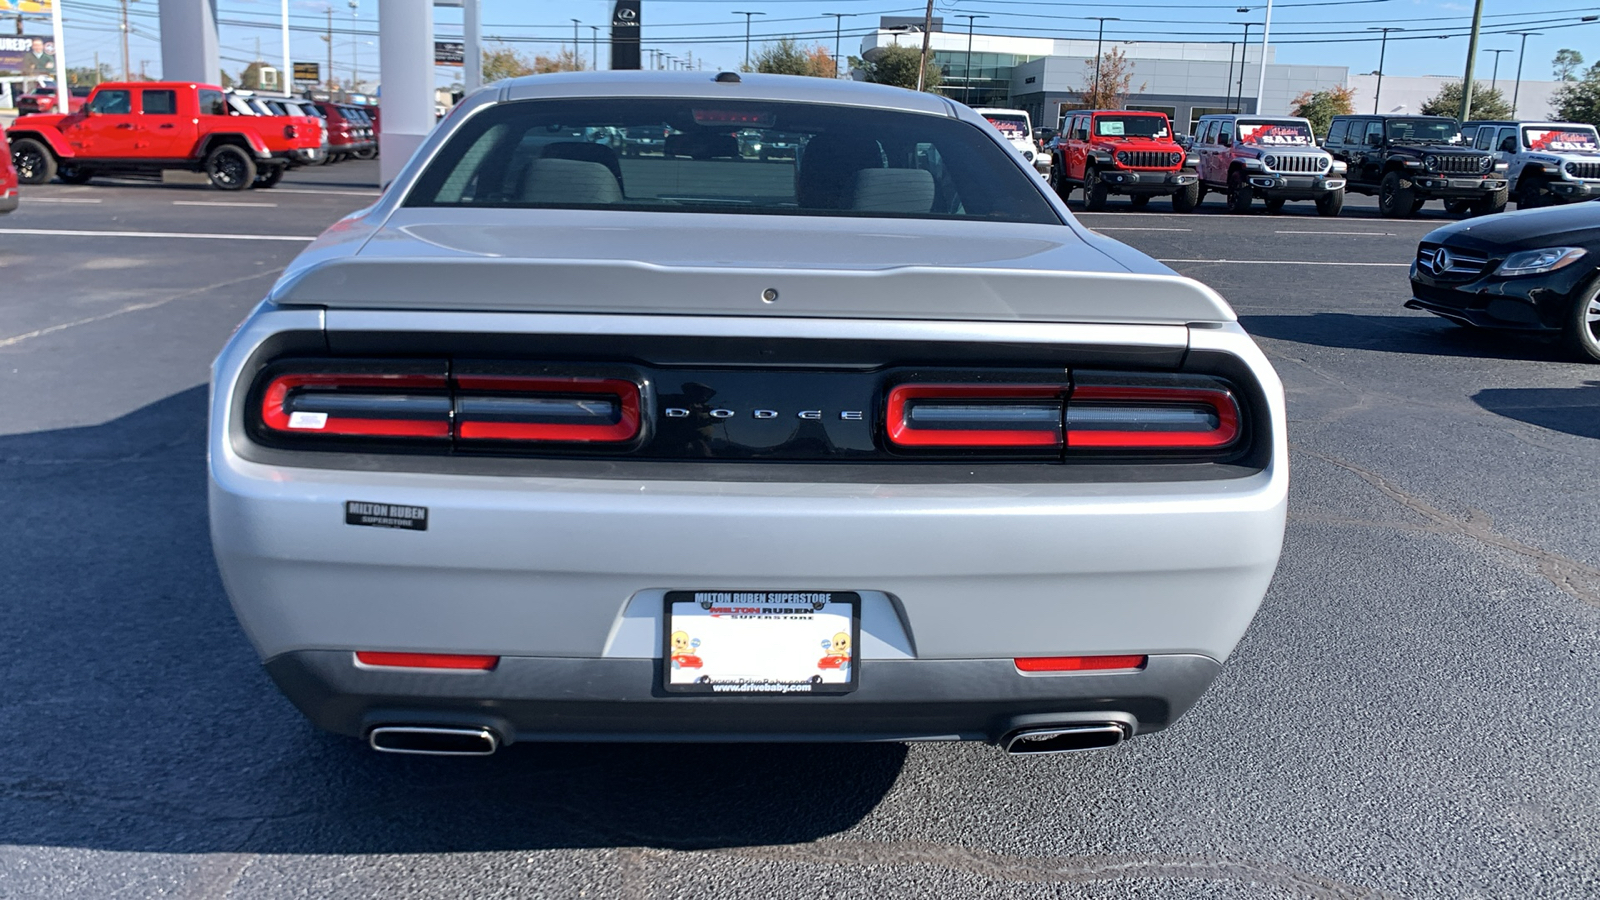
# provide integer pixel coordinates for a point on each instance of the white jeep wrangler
(1548, 162)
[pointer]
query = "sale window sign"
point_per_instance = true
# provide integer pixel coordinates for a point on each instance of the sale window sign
(1291, 134)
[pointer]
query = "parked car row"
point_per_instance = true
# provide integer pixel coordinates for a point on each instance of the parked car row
(1404, 161)
(238, 139)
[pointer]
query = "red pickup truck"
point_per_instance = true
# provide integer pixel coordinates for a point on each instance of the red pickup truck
(140, 128)
(1123, 152)
(8, 177)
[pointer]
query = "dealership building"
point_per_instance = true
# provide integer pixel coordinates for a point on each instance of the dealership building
(1046, 76)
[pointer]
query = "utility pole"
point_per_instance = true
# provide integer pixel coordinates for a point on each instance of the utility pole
(594, 44)
(927, 38)
(1494, 80)
(329, 38)
(97, 67)
(1099, 41)
(1266, 35)
(355, 47)
(1472, 57)
(288, 65)
(1520, 53)
(127, 67)
(1244, 60)
(1232, 48)
(838, 25)
(747, 16)
(1383, 47)
(966, 87)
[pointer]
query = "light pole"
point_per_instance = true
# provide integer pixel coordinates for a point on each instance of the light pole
(1383, 48)
(594, 44)
(1261, 82)
(1099, 41)
(355, 47)
(1494, 79)
(966, 86)
(747, 16)
(577, 55)
(1520, 53)
(838, 24)
(1244, 60)
(1472, 58)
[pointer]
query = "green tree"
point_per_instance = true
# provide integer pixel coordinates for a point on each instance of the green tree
(1319, 107)
(1487, 102)
(1566, 64)
(500, 63)
(782, 58)
(1579, 101)
(898, 66)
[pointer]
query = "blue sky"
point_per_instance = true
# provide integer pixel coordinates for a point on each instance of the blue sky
(1323, 32)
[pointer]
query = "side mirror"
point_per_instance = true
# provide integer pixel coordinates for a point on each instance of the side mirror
(1225, 140)
(1509, 145)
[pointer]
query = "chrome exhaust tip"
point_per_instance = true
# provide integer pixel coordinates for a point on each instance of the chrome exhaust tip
(429, 741)
(1066, 738)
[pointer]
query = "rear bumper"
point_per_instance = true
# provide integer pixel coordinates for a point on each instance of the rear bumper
(545, 699)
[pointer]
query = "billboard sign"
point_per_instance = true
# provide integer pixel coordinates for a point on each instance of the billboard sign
(310, 72)
(449, 53)
(625, 35)
(27, 54)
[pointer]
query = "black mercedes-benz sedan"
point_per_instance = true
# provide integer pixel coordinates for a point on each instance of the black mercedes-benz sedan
(1524, 271)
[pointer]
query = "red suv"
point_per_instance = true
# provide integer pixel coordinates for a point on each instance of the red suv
(43, 100)
(8, 177)
(349, 132)
(1123, 152)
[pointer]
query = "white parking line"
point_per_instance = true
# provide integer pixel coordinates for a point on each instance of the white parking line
(1288, 262)
(373, 194)
(221, 203)
(33, 199)
(1142, 229)
(50, 232)
(1366, 233)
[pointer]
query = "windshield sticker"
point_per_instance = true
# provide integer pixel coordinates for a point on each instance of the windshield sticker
(1556, 140)
(1295, 135)
(1111, 128)
(1011, 129)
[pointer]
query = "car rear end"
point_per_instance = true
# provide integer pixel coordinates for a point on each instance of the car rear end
(490, 474)
(8, 177)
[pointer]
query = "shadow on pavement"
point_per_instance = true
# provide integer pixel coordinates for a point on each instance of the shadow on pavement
(138, 718)
(1568, 410)
(1403, 334)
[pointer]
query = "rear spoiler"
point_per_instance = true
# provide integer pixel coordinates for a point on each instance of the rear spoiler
(613, 286)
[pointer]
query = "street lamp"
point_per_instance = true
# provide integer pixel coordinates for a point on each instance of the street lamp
(1098, 41)
(355, 67)
(594, 44)
(747, 16)
(966, 87)
(1244, 59)
(1383, 47)
(838, 23)
(1520, 53)
(1494, 79)
(577, 55)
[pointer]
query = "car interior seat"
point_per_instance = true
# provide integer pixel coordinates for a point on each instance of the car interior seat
(826, 176)
(569, 181)
(585, 151)
(892, 190)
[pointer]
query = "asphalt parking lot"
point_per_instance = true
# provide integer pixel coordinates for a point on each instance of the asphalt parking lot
(1413, 713)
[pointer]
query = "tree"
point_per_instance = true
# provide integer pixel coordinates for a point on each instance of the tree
(500, 63)
(821, 63)
(898, 66)
(1487, 102)
(1114, 83)
(1319, 107)
(1566, 64)
(1579, 101)
(565, 61)
(787, 57)
(88, 75)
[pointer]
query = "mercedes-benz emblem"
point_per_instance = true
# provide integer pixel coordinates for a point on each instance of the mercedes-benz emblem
(1441, 261)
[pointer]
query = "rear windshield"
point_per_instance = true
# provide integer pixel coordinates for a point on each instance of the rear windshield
(1276, 134)
(717, 157)
(1014, 128)
(1131, 126)
(1566, 138)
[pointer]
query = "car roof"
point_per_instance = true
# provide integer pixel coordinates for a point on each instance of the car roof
(705, 86)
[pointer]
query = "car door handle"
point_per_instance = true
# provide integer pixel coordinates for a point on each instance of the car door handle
(166, 127)
(126, 126)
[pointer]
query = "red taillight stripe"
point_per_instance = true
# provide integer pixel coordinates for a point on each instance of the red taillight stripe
(278, 419)
(1219, 401)
(902, 432)
(427, 660)
(626, 428)
(1078, 663)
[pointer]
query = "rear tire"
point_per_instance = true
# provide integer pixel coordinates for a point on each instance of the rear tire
(230, 168)
(1494, 203)
(1582, 334)
(1531, 194)
(1240, 194)
(1329, 204)
(1094, 191)
(34, 162)
(268, 177)
(1139, 201)
(1187, 198)
(1396, 196)
(369, 153)
(74, 174)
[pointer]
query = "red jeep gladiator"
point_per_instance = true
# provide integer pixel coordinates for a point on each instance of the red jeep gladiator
(1123, 152)
(140, 128)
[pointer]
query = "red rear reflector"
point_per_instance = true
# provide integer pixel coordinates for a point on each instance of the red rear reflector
(1078, 663)
(427, 660)
(998, 416)
(339, 403)
(545, 408)
(1158, 418)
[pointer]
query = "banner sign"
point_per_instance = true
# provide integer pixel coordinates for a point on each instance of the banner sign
(1276, 135)
(449, 53)
(1560, 140)
(625, 35)
(26, 6)
(28, 55)
(307, 72)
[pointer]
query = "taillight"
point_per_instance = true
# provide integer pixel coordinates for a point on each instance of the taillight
(543, 408)
(1078, 663)
(358, 404)
(976, 416)
(469, 662)
(1142, 417)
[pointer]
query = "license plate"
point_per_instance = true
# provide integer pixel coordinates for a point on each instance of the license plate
(761, 642)
(1466, 182)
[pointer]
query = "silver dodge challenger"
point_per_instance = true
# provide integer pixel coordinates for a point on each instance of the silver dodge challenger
(870, 442)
